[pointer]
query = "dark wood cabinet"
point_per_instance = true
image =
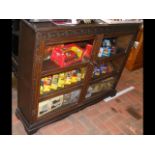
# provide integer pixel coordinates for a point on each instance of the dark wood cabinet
(36, 108)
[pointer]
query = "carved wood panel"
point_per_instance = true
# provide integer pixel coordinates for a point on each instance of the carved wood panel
(74, 32)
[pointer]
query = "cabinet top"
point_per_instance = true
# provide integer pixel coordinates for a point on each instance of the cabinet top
(49, 26)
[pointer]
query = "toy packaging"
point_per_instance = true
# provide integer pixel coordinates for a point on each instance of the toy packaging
(96, 71)
(41, 87)
(61, 80)
(44, 107)
(68, 78)
(67, 98)
(79, 75)
(54, 84)
(100, 52)
(103, 69)
(65, 55)
(74, 78)
(75, 96)
(46, 84)
(88, 51)
(106, 43)
(105, 50)
(56, 102)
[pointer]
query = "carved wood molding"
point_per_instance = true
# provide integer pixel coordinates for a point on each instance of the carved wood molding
(37, 75)
(47, 35)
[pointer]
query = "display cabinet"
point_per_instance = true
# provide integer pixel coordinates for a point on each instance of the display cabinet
(63, 69)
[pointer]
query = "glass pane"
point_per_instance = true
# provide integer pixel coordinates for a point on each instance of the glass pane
(62, 80)
(67, 54)
(58, 101)
(111, 46)
(71, 97)
(101, 86)
(117, 63)
(103, 69)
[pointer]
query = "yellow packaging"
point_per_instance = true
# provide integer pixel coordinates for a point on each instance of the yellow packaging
(68, 79)
(46, 84)
(74, 76)
(46, 88)
(54, 84)
(41, 90)
(61, 80)
(77, 51)
(79, 76)
(74, 79)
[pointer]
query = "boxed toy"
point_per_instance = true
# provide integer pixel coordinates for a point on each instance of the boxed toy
(61, 80)
(69, 54)
(105, 50)
(68, 78)
(56, 102)
(44, 107)
(67, 99)
(54, 83)
(75, 96)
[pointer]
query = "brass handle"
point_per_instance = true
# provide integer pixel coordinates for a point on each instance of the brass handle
(136, 43)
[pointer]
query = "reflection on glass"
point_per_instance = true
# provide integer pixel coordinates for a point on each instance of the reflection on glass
(58, 101)
(111, 46)
(103, 85)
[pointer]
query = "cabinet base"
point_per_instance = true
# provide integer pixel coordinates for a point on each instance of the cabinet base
(32, 128)
(28, 128)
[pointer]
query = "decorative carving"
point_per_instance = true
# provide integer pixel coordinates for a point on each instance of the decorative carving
(47, 35)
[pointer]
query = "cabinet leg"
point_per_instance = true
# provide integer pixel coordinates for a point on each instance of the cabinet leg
(31, 132)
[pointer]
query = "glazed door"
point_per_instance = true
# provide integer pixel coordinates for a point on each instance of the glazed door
(65, 68)
(105, 69)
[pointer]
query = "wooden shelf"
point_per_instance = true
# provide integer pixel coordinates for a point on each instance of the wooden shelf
(60, 91)
(50, 67)
(96, 95)
(102, 77)
(114, 56)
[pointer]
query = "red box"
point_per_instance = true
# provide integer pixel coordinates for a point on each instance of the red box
(67, 55)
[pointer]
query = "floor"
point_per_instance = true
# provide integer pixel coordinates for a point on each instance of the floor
(120, 116)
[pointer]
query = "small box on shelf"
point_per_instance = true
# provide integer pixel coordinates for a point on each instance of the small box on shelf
(66, 55)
